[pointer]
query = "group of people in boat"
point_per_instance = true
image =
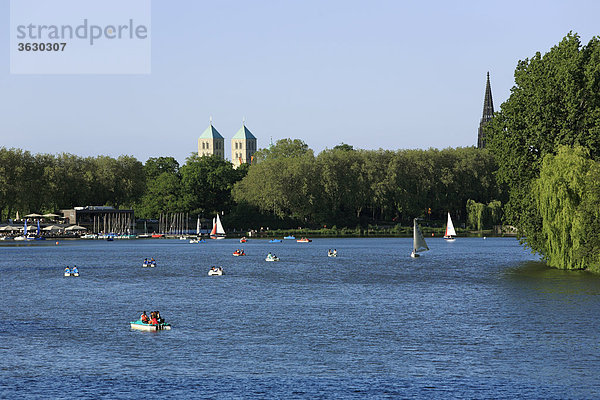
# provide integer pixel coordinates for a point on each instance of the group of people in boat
(216, 269)
(272, 256)
(239, 252)
(154, 318)
(71, 271)
(332, 253)
(149, 263)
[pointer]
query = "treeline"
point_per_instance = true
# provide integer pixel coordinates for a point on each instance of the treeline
(546, 140)
(288, 186)
(345, 187)
(48, 183)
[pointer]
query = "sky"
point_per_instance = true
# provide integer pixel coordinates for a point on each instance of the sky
(372, 74)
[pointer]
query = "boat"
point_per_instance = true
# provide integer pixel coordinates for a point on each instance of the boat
(157, 235)
(271, 257)
(141, 326)
(289, 237)
(25, 235)
(331, 253)
(215, 271)
(217, 231)
(450, 235)
(304, 240)
(149, 263)
(243, 240)
(419, 244)
(71, 272)
(275, 241)
(197, 240)
(238, 253)
(67, 272)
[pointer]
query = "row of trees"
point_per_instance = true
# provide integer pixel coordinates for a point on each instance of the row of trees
(46, 183)
(286, 187)
(344, 187)
(546, 140)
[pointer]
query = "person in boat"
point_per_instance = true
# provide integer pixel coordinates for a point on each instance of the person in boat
(153, 319)
(144, 318)
(74, 270)
(67, 270)
(334, 252)
(158, 318)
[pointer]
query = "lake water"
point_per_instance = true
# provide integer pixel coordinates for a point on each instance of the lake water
(471, 319)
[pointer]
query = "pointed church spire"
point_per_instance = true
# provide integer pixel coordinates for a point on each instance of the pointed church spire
(488, 112)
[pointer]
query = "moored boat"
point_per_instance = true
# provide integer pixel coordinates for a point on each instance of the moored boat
(304, 240)
(290, 237)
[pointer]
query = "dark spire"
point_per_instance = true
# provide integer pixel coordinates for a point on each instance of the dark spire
(488, 112)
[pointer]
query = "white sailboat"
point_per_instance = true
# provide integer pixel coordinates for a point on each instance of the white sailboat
(450, 235)
(418, 241)
(217, 231)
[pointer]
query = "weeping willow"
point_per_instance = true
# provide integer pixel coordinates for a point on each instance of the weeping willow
(559, 193)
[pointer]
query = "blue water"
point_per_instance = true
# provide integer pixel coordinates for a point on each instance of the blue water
(471, 319)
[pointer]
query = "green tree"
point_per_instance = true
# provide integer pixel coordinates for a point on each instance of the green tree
(555, 101)
(558, 192)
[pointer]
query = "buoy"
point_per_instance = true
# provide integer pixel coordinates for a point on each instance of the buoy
(432, 235)
(57, 243)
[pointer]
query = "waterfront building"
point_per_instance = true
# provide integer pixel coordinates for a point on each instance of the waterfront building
(488, 113)
(243, 146)
(211, 143)
(101, 219)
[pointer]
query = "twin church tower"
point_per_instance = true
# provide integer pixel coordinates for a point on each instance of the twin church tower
(243, 145)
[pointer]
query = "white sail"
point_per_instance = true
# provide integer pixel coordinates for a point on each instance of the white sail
(198, 226)
(220, 230)
(450, 228)
(418, 239)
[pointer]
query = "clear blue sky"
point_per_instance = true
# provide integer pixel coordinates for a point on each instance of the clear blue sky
(373, 74)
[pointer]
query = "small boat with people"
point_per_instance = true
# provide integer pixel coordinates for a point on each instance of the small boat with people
(215, 271)
(243, 240)
(304, 240)
(149, 263)
(291, 237)
(239, 252)
(150, 324)
(197, 240)
(332, 253)
(275, 241)
(271, 257)
(71, 271)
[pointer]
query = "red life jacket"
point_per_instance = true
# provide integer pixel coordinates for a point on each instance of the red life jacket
(144, 318)
(153, 321)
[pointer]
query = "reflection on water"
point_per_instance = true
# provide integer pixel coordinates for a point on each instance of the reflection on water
(551, 280)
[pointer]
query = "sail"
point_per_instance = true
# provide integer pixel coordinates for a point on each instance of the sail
(198, 226)
(220, 230)
(25, 228)
(450, 227)
(214, 228)
(38, 227)
(418, 239)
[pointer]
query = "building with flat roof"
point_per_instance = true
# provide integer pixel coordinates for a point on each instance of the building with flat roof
(101, 219)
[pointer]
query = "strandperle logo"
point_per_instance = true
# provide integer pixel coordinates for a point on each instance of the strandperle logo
(84, 31)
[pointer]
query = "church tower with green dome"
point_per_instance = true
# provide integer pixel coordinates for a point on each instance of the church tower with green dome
(211, 143)
(243, 146)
